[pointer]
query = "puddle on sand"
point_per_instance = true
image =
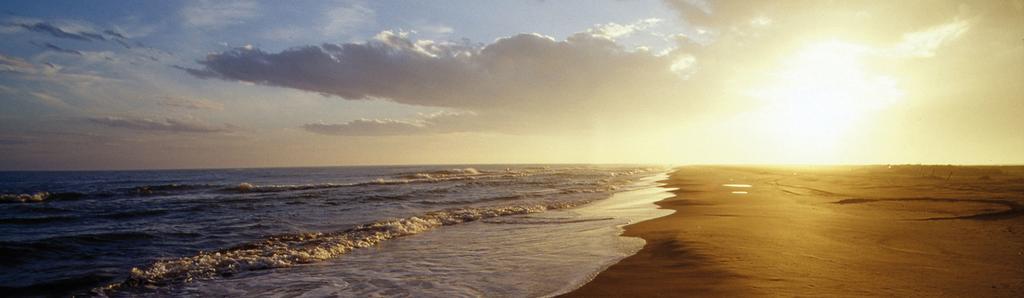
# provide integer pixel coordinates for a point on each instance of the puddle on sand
(738, 185)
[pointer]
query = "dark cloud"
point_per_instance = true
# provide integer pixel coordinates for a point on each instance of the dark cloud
(165, 125)
(199, 73)
(190, 103)
(436, 123)
(55, 48)
(518, 72)
(52, 30)
(108, 35)
(525, 82)
(123, 43)
(114, 34)
(12, 142)
(367, 127)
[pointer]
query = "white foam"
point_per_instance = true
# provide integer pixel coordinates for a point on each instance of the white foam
(22, 198)
(244, 186)
(288, 250)
(530, 255)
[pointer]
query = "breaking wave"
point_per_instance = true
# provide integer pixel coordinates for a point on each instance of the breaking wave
(288, 250)
(399, 179)
(249, 187)
(450, 173)
(168, 188)
(38, 197)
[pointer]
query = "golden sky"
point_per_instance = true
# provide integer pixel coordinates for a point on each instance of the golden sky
(676, 81)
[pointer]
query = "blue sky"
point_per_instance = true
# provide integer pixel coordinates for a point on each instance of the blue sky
(173, 84)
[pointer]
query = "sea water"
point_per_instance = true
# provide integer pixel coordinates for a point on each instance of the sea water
(496, 230)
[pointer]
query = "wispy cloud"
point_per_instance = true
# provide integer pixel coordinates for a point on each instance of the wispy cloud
(436, 29)
(615, 30)
(51, 72)
(164, 125)
(215, 14)
(56, 48)
(190, 103)
(78, 31)
(444, 122)
(343, 20)
(15, 64)
(367, 127)
(55, 31)
(924, 43)
(50, 100)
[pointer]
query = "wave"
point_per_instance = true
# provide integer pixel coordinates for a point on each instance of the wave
(398, 180)
(441, 173)
(63, 285)
(99, 238)
(474, 201)
(36, 220)
(134, 214)
(289, 250)
(245, 187)
(541, 220)
(423, 179)
(168, 188)
(39, 197)
(249, 187)
(13, 253)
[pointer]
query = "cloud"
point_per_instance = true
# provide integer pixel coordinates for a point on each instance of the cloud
(165, 125)
(520, 83)
(366, 127)
(51, 72)
(514, 72)
(84, 31)
(436, 29)
(55, 48)
(924, 43)
(56, 31)
(50, 100)
(115, 34)
(343, 20)
(615, 30)
(15, 64)
(216, 14)
(426, 124)
(861, 21)
(12, 142)
(190, 103)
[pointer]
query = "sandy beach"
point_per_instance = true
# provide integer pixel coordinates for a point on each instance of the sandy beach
(835, 231)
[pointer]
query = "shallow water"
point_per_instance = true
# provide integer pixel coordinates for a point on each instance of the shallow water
(420, 231)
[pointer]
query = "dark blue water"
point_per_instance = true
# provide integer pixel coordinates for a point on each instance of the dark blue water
(74, 233)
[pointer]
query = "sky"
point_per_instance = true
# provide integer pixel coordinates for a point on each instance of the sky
(225, 84)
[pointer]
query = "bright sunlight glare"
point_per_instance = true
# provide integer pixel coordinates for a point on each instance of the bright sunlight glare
(817, 97)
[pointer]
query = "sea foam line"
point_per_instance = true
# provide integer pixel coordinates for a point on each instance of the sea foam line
(288, 250)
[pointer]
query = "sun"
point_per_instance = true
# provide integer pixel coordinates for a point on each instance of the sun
(818, 96)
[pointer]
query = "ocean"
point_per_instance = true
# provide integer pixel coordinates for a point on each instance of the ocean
(424, 231)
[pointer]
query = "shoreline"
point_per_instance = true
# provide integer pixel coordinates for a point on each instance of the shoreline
(840, 231)
(650, 271)
(633, 205)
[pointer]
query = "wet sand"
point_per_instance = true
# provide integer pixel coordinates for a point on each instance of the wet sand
(836, 231)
